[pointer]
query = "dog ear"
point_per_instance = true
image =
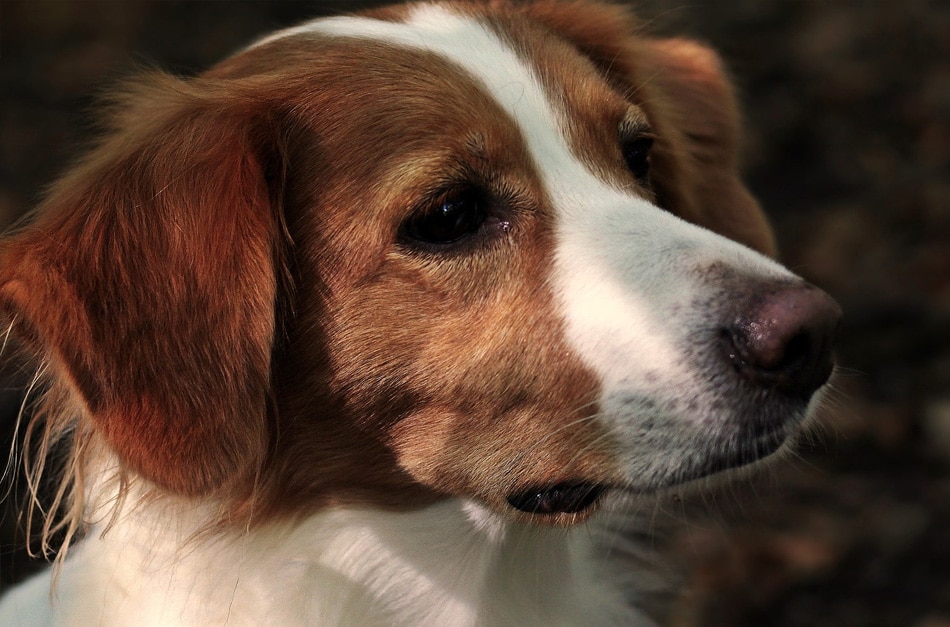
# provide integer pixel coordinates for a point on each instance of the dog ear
(683, 89)
(147, 283)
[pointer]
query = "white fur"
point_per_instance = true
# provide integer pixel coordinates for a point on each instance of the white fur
(450, 564)
(621, 262)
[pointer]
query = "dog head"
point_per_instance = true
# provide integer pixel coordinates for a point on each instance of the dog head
(491, 251)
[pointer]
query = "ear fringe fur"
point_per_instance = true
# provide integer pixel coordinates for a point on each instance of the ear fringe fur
(54, 452)
(62, 450)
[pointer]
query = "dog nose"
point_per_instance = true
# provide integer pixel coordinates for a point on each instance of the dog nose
(782, 338)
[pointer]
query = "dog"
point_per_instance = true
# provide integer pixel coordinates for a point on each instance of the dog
(388, 318)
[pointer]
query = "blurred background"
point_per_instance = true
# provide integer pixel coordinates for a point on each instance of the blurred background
(847, 145)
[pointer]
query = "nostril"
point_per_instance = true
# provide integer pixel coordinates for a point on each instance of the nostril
(783, 338)
(797, 351)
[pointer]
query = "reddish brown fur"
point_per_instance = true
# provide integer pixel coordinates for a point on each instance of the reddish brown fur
(119, 282)
(689, 102)
(455, 363)
(224, 286)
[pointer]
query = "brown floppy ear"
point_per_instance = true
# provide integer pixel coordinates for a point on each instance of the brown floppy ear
(147, 283)
(684, 90)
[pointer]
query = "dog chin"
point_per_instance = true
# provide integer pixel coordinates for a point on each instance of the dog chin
(742, 445)
(727, 461)
(575, 501)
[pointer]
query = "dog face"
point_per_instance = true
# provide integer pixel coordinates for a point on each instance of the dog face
(434, 250)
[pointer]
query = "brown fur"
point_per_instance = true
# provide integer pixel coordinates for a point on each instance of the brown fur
(683, 89)
(118, 284)
(223, 288)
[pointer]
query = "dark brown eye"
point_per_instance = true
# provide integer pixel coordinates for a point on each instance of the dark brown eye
(636, 153)
(449, 220)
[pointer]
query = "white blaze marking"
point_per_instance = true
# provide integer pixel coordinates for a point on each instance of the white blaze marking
(621, 264)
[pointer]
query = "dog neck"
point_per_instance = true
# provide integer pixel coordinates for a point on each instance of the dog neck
(453, 563)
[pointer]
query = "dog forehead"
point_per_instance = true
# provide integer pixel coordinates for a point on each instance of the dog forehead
(464, 40)
(506, 60)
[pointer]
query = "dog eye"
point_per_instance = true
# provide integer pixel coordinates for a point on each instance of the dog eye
(636, 153)
(448, 220)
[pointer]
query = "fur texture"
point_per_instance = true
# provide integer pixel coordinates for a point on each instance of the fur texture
(362, 324)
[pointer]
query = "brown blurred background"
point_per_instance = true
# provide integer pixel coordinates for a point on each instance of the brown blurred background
(848, 146)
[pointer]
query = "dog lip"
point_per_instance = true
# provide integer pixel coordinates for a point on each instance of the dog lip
(559, 498)
(572, 497)
(754, 452)
(746, 455)
(750, 453)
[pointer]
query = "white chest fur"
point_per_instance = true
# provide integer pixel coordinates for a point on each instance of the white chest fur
(449, 564)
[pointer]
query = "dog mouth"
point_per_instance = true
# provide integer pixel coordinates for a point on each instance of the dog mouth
(580, 496)
(560, 498)
(752, 452)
